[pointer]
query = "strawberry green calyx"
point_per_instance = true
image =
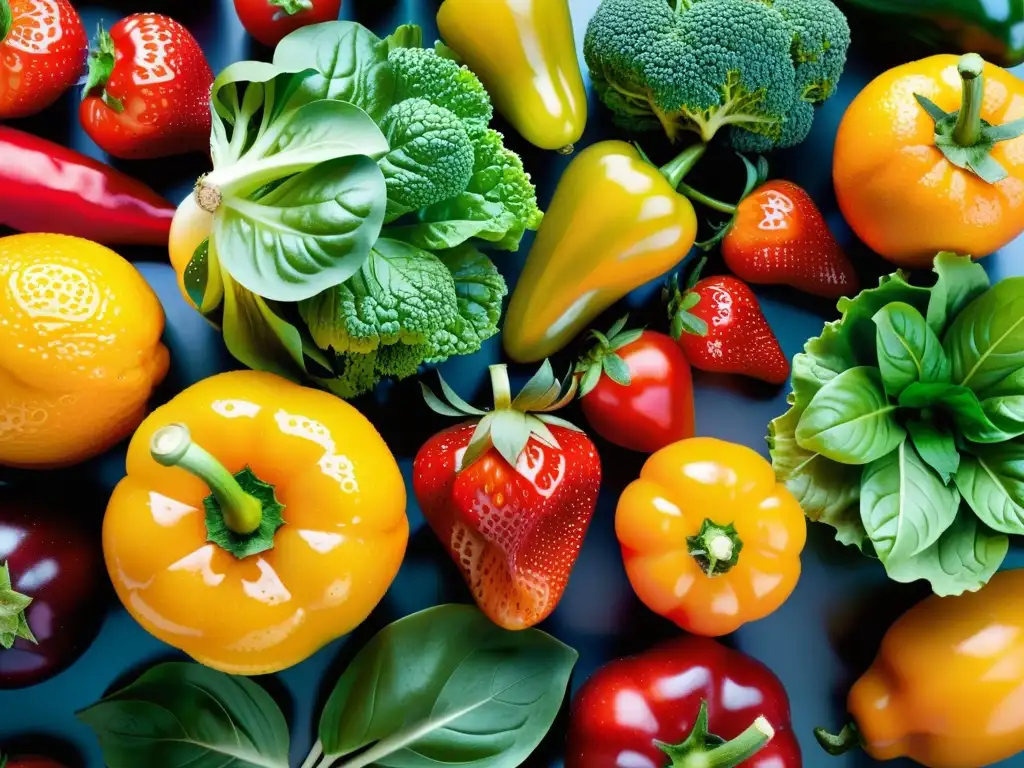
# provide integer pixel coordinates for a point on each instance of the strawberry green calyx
(680, 301)
(963, 136)
(6, 20)
(702, 750)
(290, 7)
(101, 67)
(602, 357)
(509, 427)
(13, 622)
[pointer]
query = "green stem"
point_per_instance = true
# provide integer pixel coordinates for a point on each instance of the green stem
(702, 750)
(967, 132)
(848, 739)
(676, 170)
(292, 7)
(172, 446)
(501, 387)
(710, 202)
(716, 548)
(314, 755)
(6, 19)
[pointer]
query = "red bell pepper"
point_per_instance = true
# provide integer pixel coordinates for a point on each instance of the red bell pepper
(45, 187)
(631, 710)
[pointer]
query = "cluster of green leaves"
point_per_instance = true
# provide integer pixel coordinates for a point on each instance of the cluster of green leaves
(354, 179)
(444, 686)
(906, 423)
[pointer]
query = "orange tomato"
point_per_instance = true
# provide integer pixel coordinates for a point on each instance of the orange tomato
(710, 540)
(897, 189)
(80, 350)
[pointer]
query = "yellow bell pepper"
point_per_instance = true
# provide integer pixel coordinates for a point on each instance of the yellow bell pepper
(945, 688)
(524, 52)
(258, 521)
(615, 223)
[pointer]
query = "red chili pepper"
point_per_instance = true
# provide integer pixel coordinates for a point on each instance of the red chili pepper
(45, 187)
(631, 710)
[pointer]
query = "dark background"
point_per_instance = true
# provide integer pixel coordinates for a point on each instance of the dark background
(817, 643)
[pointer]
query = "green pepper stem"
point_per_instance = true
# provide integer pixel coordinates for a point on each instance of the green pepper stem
(848, 739)
(675, 171)
(967, 131)
(501, 387)
(172, 446)
(6, 19)
(710, 202)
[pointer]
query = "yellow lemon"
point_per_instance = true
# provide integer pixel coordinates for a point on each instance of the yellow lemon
(80, 350)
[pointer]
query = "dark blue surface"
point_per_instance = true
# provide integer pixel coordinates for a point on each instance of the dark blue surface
(817, 643)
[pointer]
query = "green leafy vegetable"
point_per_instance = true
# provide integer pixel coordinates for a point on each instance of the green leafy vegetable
(909, 410)
(448, 687)
(179, 715)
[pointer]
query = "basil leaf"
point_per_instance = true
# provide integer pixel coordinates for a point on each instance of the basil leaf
(350, 63)
(312, 232)
(257, 337)
(962, 406)
(850, 420)
(985, 343)
(992, 483)
(447, 686)
(908, 350)
(823, 358)
(964, 558)
(936, 446)
(960, 281)
(857, 324)
(904, 505)
(826, 490)
(181, 715)
(1004, 405)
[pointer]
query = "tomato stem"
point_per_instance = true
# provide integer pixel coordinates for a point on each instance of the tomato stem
(6, 19)
(716, 548)
(172, 446)
(839, 744)
(291, 7)
(13, 621)
(967, 132)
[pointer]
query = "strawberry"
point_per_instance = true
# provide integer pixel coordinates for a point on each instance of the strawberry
(778, 236)
(42, 53)
(148, 91)
(721, 328)
(510, 495)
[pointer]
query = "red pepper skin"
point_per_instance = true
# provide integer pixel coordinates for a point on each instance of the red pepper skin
(629, 703)
(45, 187)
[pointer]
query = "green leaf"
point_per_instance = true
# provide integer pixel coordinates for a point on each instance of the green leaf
(312, 232)
(960, 281)
(1004, 405)
(542, 389)
(448, 687)
(823, 358)
(510, 433)
(196, 274)
(179, 715)
(964, 558)
(936, 446)
(961, 405)
(350, 63)
(992, 483)
(590, 379)
(904, 505)
(257, 337)
(826, 490)
(616, 369)
(850, 420)
(453, 222)
(857, 326)
(985, 343)
(908, 350)
(479, 291)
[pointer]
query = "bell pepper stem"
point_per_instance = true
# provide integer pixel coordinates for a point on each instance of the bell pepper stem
(716, 548)
(839, 744)
(698, 752)
(501, 387)
(172, 446)
(675, 171)
(967, 131)
(291, 7)
(699, 197)
(6, 19)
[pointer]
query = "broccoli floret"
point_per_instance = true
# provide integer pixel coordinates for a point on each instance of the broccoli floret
(431, 157)
(701, 65)
(421, 73)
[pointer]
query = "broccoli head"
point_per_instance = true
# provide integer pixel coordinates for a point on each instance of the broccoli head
(754, 66)
(421, 74)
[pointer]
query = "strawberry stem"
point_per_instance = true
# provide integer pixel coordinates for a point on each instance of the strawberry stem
(501, 387)
(101, 67)
(6, 19)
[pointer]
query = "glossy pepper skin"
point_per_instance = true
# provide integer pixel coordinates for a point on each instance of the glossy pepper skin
(273, 585)
(945, 687)
(896, 186)
(616, 222)
(525, 54)
(709, 538)
(995, 30)
(45, 187)
(630, 703)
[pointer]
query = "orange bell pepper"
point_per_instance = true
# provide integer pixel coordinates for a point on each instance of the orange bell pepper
(710, 540)
(259, 520)
(945, 688)
(929, 157)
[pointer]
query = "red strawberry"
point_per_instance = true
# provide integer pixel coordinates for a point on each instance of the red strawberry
(148, 93)
(779, 236)
(510, 495)
(42, 52)
(721, 328)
